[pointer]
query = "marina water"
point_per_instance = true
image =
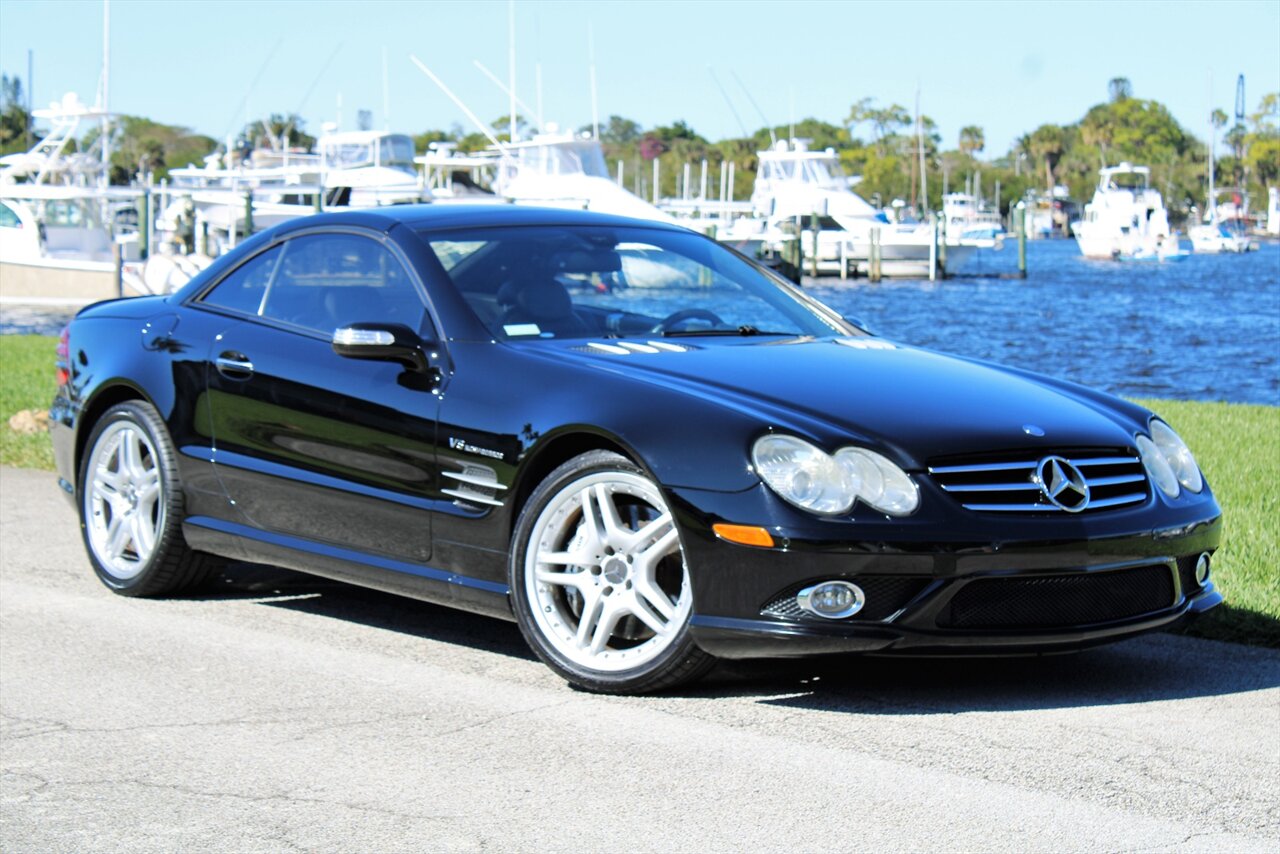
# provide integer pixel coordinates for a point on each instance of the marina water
(1206, 328)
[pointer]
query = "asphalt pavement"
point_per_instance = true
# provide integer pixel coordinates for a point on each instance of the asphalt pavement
(278, 712)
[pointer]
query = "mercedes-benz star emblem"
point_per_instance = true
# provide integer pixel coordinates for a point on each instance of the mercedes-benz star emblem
(1063, 484)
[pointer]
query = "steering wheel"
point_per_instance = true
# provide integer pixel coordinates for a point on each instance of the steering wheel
(678, 317)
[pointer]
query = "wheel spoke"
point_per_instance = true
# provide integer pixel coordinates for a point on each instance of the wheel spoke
(641, 611)
(651, 594)
(650, 531)
(142, 534)
(564, 579)
(592, 607)
(130, 455)
(614, 532)
(117, 535)
(604, 628)
(149, 485)
(647, 560)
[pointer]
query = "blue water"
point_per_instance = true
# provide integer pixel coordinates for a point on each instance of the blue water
(1205, 328)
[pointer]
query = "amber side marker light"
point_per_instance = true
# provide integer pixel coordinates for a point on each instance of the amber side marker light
(746, 535)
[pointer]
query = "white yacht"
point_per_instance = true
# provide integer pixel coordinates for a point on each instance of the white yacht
(794, 181)
(1126, 219)
(560, 169)
(1273, 211)
(967, 219)
(60, 224)
(352, 169)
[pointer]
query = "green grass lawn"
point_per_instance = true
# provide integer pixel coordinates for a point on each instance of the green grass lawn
(1238, 448)
(26, 382)
(1237, 445)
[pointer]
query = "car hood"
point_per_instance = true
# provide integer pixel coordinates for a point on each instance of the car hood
(915, 402)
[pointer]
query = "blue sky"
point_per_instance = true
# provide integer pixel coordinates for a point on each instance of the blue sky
(1007, 67)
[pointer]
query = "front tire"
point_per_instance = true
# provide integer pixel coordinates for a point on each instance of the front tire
(599, 583)
(131, 506)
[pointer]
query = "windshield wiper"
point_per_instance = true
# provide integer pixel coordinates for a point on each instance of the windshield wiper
(745, 331)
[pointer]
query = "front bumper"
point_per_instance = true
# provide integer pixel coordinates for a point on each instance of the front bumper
(936, 587)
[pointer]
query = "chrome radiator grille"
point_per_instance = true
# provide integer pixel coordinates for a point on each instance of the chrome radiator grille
(1012, 485)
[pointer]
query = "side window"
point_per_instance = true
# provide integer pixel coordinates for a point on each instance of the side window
(8, 218)
(326, 281)
(244, 289)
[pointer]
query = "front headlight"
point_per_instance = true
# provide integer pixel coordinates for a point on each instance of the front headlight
(1178, 454)
(878, 482)
(803, 474)
(814, 480)
(1158, 468)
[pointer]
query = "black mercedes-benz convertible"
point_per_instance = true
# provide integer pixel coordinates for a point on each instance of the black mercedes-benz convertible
(645, 448)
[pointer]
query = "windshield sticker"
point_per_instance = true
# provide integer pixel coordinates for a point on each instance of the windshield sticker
(522, 329)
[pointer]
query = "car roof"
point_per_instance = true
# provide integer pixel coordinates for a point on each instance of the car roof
(443, 216)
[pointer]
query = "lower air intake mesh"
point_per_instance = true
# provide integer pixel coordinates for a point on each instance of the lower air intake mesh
(1054, 601)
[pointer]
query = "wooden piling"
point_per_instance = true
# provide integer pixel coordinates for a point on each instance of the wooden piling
(1020, 225)
(873, 272)
(248, 212)
(817, 228)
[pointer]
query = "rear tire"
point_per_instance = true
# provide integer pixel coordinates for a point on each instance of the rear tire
(131, 506)
(598, 580)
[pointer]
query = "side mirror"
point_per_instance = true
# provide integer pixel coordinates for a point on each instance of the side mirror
(386, 342)
(858, 322)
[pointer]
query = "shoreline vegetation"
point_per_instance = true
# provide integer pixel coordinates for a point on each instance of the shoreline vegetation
(1236, 444)
(878, 142)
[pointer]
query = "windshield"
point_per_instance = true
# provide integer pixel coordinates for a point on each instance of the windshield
(396, 152)
(549, 282)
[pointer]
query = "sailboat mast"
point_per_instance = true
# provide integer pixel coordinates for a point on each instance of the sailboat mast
(106, 92)
(511, 69)
(595, 109)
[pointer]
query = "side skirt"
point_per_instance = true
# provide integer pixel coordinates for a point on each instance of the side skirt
(416, 581)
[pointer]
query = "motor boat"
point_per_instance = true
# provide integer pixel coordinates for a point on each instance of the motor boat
(1127, 219)
(798, 185)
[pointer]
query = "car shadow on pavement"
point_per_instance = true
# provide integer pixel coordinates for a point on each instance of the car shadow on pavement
(1150, 668)
(297, 591)
(1153, 667)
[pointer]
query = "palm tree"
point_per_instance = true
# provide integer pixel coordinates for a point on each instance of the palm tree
(971, 139)
(1047, 143)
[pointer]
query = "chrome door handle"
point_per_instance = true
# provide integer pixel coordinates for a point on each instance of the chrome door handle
(234, 366)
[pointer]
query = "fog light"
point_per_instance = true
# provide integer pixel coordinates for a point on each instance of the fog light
(1202, 568)
(833, 600)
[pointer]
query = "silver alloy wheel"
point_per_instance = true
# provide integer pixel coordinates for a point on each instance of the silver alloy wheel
(608, 594)
(124, 507)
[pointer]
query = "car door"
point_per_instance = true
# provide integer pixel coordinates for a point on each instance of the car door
(309, 444)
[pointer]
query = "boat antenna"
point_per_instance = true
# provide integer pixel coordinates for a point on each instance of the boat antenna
(106, 90)
(312, 88)
(452, 97)
(511, 69)
(262, 69)
(773, 138)
(386, 93)
(591, 58)
(493, 78)
(791, 123)
(732, 109)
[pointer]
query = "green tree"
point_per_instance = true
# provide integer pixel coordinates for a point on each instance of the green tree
(14, 118)
(971, 139)
(1119, 89)
(278, 129)
(140, 145)
(1047, 144)
(884, 121)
